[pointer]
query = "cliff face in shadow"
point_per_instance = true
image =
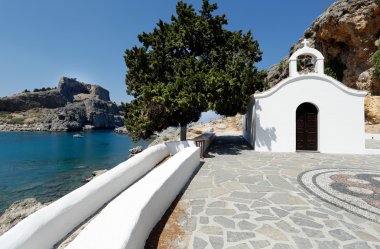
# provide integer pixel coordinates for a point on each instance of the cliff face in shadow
(71, 106)
(347, 34)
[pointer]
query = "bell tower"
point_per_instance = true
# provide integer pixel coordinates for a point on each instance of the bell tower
(306, 50)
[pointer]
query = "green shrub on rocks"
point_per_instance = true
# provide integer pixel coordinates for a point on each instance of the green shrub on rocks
(375, 61)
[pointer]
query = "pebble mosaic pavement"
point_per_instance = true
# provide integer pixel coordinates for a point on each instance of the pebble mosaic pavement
(241, 199)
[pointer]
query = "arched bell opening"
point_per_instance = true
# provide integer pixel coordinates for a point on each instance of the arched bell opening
(307, 127)
(306, 64)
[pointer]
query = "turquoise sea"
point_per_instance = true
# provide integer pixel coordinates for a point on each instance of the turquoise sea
(48, 165)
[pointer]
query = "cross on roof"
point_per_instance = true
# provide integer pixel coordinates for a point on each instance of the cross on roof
(305, 42)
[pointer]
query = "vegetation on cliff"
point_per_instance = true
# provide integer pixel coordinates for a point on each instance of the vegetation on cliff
(188, 66)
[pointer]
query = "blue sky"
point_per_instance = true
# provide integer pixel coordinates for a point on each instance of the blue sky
(42, 40)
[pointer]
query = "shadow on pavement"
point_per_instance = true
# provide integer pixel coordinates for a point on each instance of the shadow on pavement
(169, 227)
(228, 145)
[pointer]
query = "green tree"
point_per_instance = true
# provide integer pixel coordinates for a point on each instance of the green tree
(188, 66)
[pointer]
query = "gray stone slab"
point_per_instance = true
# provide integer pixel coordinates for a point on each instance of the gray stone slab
(242, 216)
(265, 218)
(259, 244)
(216, 242)
(298, 214)
(220, 211)
(224, 176)
(306, 223)
(198, 202)
(239, 236)
(286, 198)
(237, 200)
(302, 243)
(196, 194)
(240, 246)
(351, 226)
(201, 185)
(246, 225)
(328, 245)
(271, 232)
(203, 220)
(217, 204)
(279, 212)
(225, 222)
(246, 195)
(366, 236)
(281, 246)
(332, 213)
(341, 235)
(199, 243)
(242, 207)
(317, 214)
(212, 230)
(250, 179)
(191, 224)
(313, 233)
(257, 188)
(279, 182)
(256, 204)
(196, 210)
(263, 211)
(283, 225)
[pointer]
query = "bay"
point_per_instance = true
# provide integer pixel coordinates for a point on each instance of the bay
(48, 165)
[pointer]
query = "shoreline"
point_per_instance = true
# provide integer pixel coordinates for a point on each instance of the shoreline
(26, 128)
(221, 126)
(231, 125)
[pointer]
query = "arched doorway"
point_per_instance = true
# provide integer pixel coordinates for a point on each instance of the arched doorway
(307, 127)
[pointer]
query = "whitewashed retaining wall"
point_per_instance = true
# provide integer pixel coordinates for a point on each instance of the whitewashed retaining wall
(49, 225)
(127, 221)
(177, 146)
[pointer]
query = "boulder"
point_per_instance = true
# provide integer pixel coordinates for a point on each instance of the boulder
(18, 211)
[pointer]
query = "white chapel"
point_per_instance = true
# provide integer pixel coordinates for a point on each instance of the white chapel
(307, 112)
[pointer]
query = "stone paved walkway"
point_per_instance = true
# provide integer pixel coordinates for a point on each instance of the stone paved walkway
(245, 199)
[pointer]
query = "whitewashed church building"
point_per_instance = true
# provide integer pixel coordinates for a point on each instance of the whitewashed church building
(307, 112)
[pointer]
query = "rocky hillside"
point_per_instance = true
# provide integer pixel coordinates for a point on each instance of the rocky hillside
(71, 106)
(347, 34)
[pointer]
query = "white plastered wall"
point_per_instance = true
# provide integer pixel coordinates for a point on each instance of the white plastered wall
(340, 116)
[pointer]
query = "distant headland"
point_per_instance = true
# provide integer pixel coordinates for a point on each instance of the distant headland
(71, 106)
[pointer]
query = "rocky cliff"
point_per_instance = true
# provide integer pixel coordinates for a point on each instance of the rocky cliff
(71, 106)
(347, 34)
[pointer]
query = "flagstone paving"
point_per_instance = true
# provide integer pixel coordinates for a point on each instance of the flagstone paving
(241, 199)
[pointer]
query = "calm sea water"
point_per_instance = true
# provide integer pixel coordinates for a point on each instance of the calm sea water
(49, 165)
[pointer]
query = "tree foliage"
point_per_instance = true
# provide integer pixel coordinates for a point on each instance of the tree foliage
(188, 66)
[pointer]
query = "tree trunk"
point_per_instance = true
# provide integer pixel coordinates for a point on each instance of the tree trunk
(183, 132)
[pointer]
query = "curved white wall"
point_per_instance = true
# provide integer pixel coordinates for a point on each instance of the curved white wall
(127, 221)
(340, 116)
(49, 225)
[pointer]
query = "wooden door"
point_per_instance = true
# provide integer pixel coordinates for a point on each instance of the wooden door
(307, 127)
